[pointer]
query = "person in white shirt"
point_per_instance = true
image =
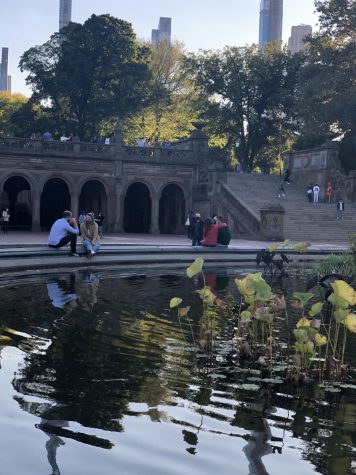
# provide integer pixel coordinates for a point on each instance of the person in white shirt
(316, 191)
(63, 231)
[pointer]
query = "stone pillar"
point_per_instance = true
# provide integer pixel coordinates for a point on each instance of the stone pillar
(154, 229)
(74, 204)
(272, 222)
(36, 210)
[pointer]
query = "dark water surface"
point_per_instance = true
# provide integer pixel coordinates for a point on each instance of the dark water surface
(102, 378)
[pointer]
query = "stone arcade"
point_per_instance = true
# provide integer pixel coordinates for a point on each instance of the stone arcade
(139, 189)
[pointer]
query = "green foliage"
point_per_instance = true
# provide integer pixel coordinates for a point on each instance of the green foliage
(195, 268)
(174, 99)
(326, 98)
(89, 73)
(334, 264)
(9, 104)
(249, 95)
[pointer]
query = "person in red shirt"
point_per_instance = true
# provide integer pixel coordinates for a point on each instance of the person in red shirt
(211, 232)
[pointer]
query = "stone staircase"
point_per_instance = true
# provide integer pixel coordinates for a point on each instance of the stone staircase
(303, 221)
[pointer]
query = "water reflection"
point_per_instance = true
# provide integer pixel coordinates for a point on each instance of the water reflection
(106, 354)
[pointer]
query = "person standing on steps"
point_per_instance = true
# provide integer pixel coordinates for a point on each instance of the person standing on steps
(340, 208)
(316, 191)
(64, 231)
(287, 176)
(5, 218)
(310, 193)
(197, 230)
(328, 193)
(281, 190)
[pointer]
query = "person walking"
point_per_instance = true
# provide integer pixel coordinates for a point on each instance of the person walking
(64, 231)
(340, 208)
(310, 193)
(197, 230)
(90, 235)
(287, 176)
(316, 191)
(328, 193)
(5, 220)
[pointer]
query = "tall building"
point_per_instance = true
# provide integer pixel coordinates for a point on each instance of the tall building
(65, 13)
(5, 79)
(296, 40)
(164, 31)
(271, 20)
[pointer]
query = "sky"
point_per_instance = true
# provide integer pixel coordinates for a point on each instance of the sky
(199, 24)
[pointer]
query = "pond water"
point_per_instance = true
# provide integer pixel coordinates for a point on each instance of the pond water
(102, 378)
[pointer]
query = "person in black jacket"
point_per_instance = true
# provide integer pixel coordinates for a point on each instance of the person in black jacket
(340, 208)
(197, 230)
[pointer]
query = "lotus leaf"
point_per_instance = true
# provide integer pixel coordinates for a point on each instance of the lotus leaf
(285, 243)
(340, 314)
(273, 380)
(301, 247)
(350, 322)
(303, 297)
(174, 302)
(263, 291)
(320, 340)
(301, 335)
(337, 302)
(273, 247)
(206, 295)
(264, 314)
(245, 316)
(316, 309)
(278, 304)
(195, 268)
(249, 387)
(303, 323)
(343, 290)
(183, 312)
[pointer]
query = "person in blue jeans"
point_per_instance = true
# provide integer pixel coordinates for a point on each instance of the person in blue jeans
(90, 235)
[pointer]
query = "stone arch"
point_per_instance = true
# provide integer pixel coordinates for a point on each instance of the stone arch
(137, 208)
(16, 195)
(172, 209)
(55, 199)
(58, 176)
(150, 187)
(93, 197)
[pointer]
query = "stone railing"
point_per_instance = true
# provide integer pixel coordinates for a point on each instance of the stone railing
(44, 147)
(244, 215)
(158, 153)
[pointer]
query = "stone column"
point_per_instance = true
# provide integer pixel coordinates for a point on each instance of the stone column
(154, 229)
(36, 210)
(272, 222)
(74, 204)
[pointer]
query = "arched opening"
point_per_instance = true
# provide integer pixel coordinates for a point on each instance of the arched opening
(93, 198)
(172, 210)
(137, 209)
(55, 199)
(16, 196)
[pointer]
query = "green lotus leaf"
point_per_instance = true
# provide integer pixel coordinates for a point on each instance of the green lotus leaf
(195, 268)
(316, 309)
(174, 302)
(303, 297)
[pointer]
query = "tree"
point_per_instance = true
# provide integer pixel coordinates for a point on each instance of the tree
(250, 94)
(89, 73)
(9, 104)
(327, 99)
(174, 105)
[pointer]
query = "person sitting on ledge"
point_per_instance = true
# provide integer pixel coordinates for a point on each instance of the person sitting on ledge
(224, 234)
(211, 232)
(63, 231)
(90, 235)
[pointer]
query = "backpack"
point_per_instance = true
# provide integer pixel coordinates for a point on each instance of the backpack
(224, 236)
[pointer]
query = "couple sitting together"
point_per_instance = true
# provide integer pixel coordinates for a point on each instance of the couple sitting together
(213, 233)
(66, 230)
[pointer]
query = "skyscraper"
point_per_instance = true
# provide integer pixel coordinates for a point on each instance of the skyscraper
(271, 20)
(295, 42)
(5, 80)
(163, 31)
(65, 13)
